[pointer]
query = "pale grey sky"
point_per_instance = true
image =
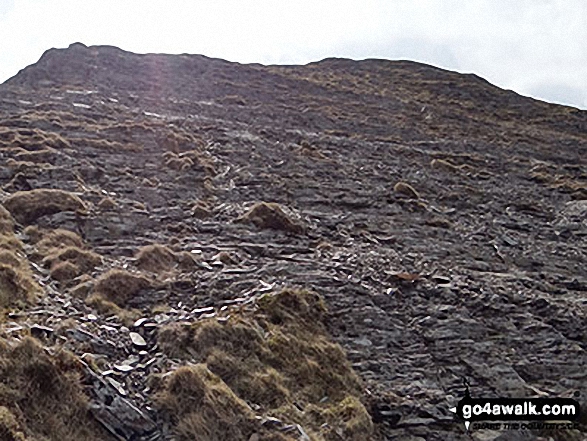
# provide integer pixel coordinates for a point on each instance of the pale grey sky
(535, 47)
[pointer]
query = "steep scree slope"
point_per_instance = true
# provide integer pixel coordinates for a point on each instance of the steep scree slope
(188, 246)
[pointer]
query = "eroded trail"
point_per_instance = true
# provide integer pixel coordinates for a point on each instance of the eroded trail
(442, 220)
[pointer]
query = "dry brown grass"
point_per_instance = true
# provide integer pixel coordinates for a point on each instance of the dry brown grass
(6, 221)
(559, 180)
(179, 142)
(406, 190)
(50, 242)
(17, 286)
(83, 259)
(201, 210)
(32, 139)
(278, 356)
(107, 204)
(64, 271)
(155, 258)
(24, 167)
(107, 145)
(446, 165)
(199, 161)
(68, 263)
(41, 397)
(203, 407)
(28, 206)
(176, 163)
(47, 155)
(10, 429)
(271, 215)
(119, 286)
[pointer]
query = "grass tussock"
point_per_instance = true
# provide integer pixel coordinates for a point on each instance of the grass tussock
(6, 221)
(107, 204)
(67, 263)
(28, 206)
(406, 190)
(51, 242)
(201, 210)
(180, 164)
(271, 215)
(200, 161)
(107, 145)
(278, 356)
(17, 286)
(119, 286)
(85, 260)
(155, 258)
(32, 139)
(446, 165)
(25, 167)
(310, 151)
(179, 142)
(41, 397)
(47, 155)
(560, 180)
(203, 407)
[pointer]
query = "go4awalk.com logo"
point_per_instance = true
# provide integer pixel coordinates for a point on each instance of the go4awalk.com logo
(518, 413)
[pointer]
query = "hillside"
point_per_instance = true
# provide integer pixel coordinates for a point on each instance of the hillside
(199, 249)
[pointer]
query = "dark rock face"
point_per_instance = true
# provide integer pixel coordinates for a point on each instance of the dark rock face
(477, 272)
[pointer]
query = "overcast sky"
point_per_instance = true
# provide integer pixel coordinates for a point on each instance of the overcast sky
(535, 47)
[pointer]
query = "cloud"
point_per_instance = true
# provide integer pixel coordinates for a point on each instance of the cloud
(560, 94)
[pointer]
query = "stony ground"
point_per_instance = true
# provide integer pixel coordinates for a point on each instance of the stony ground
(443, 220)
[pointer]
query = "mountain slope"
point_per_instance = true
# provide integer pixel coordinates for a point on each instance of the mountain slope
(441, 220)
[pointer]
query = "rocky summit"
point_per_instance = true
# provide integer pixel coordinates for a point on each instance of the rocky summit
(197, 249)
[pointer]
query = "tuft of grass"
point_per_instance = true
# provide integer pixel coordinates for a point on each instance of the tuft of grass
(281, 359)
(17, 286)
(6, 221)
(349, 416)
(28, 206)
(119, 286)
(406, 190)
(42, 396)
(46, 242)
(177, 163)
(47, 155)
(203, 407)
(271, 215)
(199, 161)
(10, 429)
(155, 258)
(107, 204)
(201, 210)
(444, 164)
(107, 145)
(82, 259)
